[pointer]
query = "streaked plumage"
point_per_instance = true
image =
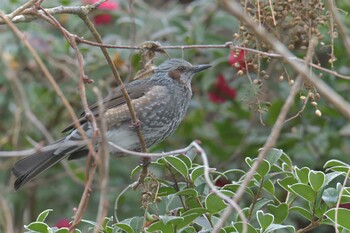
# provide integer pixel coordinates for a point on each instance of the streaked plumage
(160, 103)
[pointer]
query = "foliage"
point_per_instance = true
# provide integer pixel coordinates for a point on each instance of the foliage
(278, 191)
(234, 108)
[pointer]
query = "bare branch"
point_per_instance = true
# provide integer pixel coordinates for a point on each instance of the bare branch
(23, 14)
(103, 165)
(341, 27)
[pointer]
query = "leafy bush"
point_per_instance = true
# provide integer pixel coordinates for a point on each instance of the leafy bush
(237, 106)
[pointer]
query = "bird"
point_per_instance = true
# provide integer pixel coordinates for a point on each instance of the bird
(160, 103)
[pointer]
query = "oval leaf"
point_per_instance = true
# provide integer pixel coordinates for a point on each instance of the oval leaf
(286, 182)
(197, 172)
(214, 203)
(304, 191)
(330, 196)
(178, 165)
(124, 227)
(343, 217)
(42, 216)
(302, 211)
(38, 227)
(335, 163)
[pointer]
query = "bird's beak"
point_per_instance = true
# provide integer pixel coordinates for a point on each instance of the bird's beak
(199, 68)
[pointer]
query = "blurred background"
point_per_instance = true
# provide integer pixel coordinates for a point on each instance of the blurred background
(234, 106)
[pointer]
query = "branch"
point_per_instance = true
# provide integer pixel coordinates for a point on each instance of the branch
(326, 91)
(207, 170)
(42, 149)
(237, 11)
(103, 165)
(227, 45)
(43, 68)
(341, 27)
(25, 14)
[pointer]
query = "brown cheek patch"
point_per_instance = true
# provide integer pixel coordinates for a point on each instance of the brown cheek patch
(175, 74)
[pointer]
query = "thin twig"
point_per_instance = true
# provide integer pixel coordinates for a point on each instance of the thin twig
(103, 165)
(42, 149)
(135, 121)
(21, 94)
(341, 27)
(43, 68)
(6, 213)
(19, 10)
(339, 200)
(23, 14)
(226, 45)
(236, 10)
(326, 91)
(83, 78)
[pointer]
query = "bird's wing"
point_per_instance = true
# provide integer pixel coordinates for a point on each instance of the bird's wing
(136, 90)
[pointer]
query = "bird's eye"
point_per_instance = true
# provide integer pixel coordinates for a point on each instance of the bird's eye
(181, 68)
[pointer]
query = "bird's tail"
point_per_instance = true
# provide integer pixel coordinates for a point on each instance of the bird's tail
(31, 166)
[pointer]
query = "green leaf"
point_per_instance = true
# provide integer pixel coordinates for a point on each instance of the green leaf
(39, 227)
(189, 218)
(136, 223)
(160, 227)
(265, 220)
(198, 211)
(286, 182)
(302, 211)
(321, 210)
(330, 196)
(187, 192)
(42, 216)
(280, 212)
(287, 161)
(304, 191)
(316, 180)
(197, 172)
(239, 228)
(335, 163)
(273, 155)
(331, 176)
(269, 187)
(178, 165)
(303, 174)
(214, 203)
(174, 220)
(276, 227)
(106, 221)
(257, 178)
(188, 229)
(343, 217)
(345, 199)
(339, 169)
(260, 204)
(185, 159)
(62, 230)
(264, 168)
(249, 161)
(166, 190)
(135, 170)
(124, 227)
(89, 222)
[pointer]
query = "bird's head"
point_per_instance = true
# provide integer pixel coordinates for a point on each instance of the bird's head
(180, 70)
